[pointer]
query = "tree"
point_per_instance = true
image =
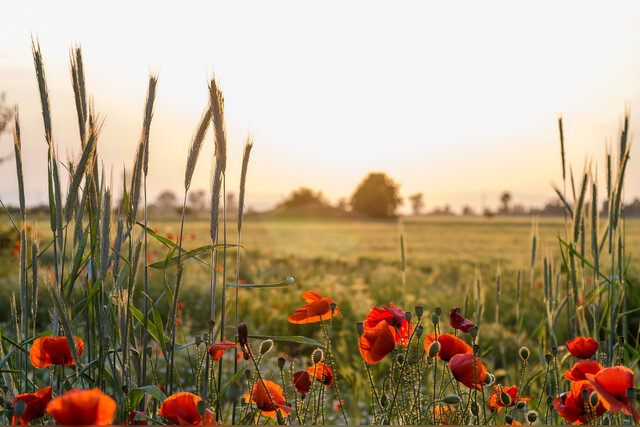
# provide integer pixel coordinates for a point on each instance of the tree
(417, 202)
(505, 199)
(167, 199)
(376, 196)
(303, 196)
(468, 211)
(197, 199)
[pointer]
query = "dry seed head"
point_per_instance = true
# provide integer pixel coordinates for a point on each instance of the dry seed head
(317, 355)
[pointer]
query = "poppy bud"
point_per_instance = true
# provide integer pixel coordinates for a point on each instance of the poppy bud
(524, 353)
(281, 362)
(317, 355)
(434, 348)
(554, 350)
(505, 399)
(294, 352)
(360, 328)
(419, 331)
(302, 396)
(419, 310)
(532, 416)
(473, 332)
(243, 340)
(435, 319)
(508, 419)
(333, 307)
(247, 373)
(384, 400)
(438, 311)
(594, 399)
(198, 340)
(490, 379)
(548, 357)
(407, 316)
(452, 399)
(233, 392)
(475, 409)
(521, 404)
(476, 349)
(201, 407)
(621, 340)
(265, 346)
(19, 408)
(585, 394)
(603, 346)
(400, 358)
(631, 393)
(606, 421)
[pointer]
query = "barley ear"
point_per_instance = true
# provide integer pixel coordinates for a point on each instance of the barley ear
(196, 146)
(243, 179)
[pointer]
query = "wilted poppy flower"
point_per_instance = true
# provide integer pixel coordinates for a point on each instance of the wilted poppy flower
(395, 318)
(302, 381)
(217, 349)
(77, 407)
(571, 405)
(243, 340)
(376, 343)
(132, 419)
(319, 308)
(181, 408)
(322, 372)
(577, 373)
(459, 322)
(450, 345)
(446, 415)
(461, 366)
(260, 396)
(512, 392)
(582, 347)
(47, 351)
(612, 384)
(36, 405)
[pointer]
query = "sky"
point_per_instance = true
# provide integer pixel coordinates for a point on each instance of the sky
(457, 100)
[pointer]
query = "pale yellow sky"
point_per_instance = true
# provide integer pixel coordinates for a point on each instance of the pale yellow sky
(458, 100)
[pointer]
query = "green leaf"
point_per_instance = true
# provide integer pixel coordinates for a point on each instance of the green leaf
(186, 255)
(135, 396)
(151, 326)
(288, 338)
(265, 285)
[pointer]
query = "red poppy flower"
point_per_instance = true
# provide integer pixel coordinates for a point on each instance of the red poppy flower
(582, 347)
(612, 384)
(450, 345)
(395, 318)
(496, 402)
(577, 373)
(446, 415)
(318, 309)
(77, 407)
(47, 351)
(322, 372)
(36, 405)
(260, 396)
(376, 343)
(459, 322)
(178, 321)
(192, 236)
(132, 419)
(571, 405)
(217, 349)
(181, 408)
(461, 366)
(302, 381)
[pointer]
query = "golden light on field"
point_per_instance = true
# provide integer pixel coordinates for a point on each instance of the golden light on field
(458, 101)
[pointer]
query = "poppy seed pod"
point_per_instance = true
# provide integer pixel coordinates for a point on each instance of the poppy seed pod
(621, 340)
(475, 409)
(384, 400)
(508, 419)
(521, 404)
(435, 319)
(317, 355)
(532, 416)
(594, 399)
(434, 348)
(265, 346)
(247, 373)
(585, 394)
(473, 332)
(333, 307)
(400, 358)
(548, 357)
(419, 310)
(408, 315)
(475, 348)
(438, 311)
(281, 362)
(201, 407)
(198, 340)
(452, 399)
(524, 353)
(419, 331)
(360, 328)
(554, 350)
